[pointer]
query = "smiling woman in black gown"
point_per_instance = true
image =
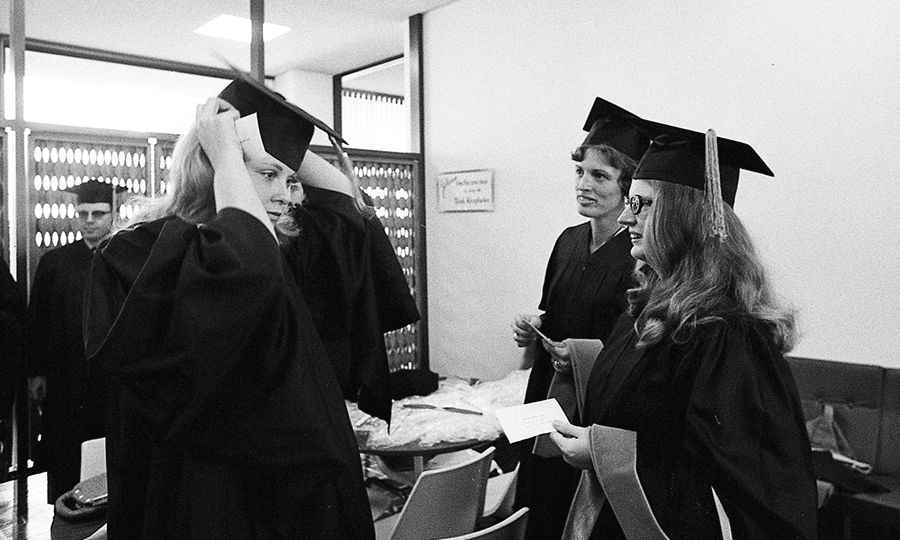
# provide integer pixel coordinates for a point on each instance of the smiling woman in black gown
(584, 292)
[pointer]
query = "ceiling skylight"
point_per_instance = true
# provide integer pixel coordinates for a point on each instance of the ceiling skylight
(238, 29)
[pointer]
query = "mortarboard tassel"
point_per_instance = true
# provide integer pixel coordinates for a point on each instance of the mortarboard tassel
(714, 205)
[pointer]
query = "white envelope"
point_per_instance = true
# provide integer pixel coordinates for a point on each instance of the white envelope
(249, 136)
(529, 420)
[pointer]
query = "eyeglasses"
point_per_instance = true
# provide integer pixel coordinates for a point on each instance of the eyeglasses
(637, 203)
(96, 214)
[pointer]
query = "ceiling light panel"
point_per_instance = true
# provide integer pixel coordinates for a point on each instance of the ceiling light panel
(238, 29)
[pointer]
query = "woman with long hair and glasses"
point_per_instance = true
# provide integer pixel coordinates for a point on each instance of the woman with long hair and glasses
(695, 428)
(226, 420)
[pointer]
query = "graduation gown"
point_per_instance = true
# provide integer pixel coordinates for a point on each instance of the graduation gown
(12, 354)
(720, 411)
(74, 408)
(349, 276)
(227, 420)
(583, 295)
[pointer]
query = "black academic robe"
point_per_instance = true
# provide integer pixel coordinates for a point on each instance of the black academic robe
(352, 282)
(227, 421)
(394, 300)
(583, 295)
(74, 408)
(721, 411)
(12, 354)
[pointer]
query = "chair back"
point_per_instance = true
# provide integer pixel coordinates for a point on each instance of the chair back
(500, 494)
(511, 528)
(93, 458)
(445, 502)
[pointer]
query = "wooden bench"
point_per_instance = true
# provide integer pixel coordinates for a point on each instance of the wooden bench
(867, 409)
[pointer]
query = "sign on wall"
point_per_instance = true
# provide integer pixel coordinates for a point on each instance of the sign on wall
(466, 191)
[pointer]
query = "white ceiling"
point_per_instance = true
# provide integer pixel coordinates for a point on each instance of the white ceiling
(327, 36)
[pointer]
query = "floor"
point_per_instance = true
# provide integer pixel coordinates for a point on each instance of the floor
(24, 512)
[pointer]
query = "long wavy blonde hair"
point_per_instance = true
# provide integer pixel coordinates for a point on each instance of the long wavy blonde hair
(189, 190)
(696, 279)
(189, 187)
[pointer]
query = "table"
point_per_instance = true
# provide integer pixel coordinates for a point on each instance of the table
(24, 512)
(419, 434)
(420, 454)
(387, 497)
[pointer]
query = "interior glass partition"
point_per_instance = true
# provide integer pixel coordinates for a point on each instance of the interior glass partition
(63, 90)
(374, 109)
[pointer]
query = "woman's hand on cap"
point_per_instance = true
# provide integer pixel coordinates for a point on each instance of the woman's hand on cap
(216, 131)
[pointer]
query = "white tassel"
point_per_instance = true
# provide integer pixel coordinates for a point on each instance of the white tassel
(714, 205)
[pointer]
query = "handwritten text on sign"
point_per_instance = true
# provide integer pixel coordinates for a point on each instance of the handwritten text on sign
(466, 191)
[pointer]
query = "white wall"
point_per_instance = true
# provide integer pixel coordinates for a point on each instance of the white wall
(312, 92)
(812, 85)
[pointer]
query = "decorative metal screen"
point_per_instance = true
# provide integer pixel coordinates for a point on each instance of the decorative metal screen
(162, 156)
(60, 161)
(391, 181)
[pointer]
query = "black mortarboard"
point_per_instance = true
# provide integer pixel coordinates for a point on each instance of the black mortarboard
(679, 155)
(609, 124)
(285, 128)
(93, 191)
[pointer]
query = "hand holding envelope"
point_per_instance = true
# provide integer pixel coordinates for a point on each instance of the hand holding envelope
(532, 419)
(529, 420)
(543, 337)
(562, 360)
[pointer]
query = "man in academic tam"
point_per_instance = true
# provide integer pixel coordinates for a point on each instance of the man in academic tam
(73, 399)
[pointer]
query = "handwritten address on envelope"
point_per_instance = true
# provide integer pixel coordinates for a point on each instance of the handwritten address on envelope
(525, 421)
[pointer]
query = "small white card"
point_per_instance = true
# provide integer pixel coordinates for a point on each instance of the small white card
(249, 136)
(525, 421)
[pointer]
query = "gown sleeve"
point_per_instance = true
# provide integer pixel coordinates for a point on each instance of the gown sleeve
(550, 272)
(40, 316)
(12, 312)
(396, 305)
(192, 322)
(744, 420)
(338, 275)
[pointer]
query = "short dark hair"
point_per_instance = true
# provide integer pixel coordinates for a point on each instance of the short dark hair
(615, 158)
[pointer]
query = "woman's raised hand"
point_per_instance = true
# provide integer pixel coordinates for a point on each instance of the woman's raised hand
(232, 185)
(216, 131)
